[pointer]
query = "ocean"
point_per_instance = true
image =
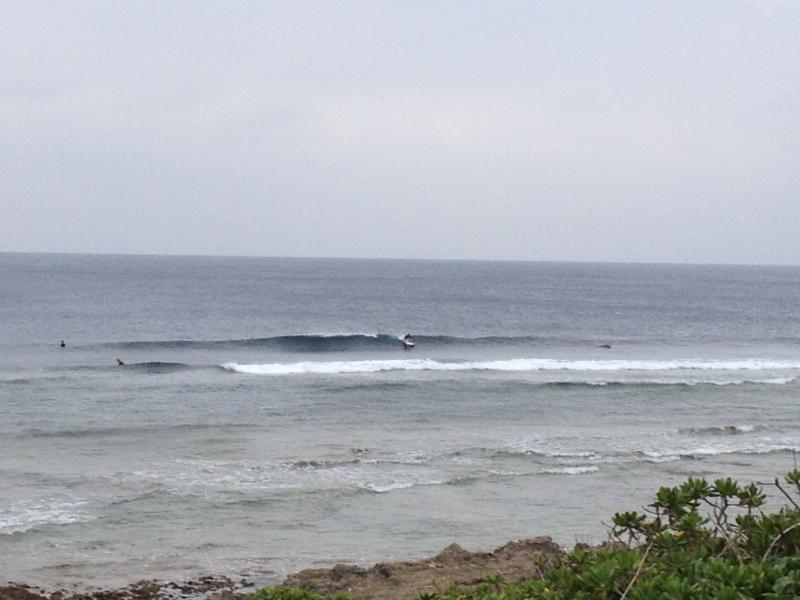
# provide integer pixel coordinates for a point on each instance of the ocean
(268, 418)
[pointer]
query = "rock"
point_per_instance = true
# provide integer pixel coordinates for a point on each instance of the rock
(226, 595)
(18, 592)
(383, 569)
(453, 553)
(345, 572)
(515, 561)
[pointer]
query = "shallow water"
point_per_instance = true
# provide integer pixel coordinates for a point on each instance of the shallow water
(268, 417)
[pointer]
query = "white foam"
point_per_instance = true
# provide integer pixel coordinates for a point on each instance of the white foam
(208, 477)
(719, 382)
(382, 488)
(389, 487)
(655, 447)
(715, 382)
(517, 365)
(719, 448)
(25, 515)
(661, 458)
(571, 470)
(776, 380)
(543, 449)
(676, 381)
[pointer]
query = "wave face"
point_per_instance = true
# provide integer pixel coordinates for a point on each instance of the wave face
(157, 367)
(514, 365)
(286, 343)
(342, 342)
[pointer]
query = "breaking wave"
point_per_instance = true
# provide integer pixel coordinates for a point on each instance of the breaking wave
(519, 365)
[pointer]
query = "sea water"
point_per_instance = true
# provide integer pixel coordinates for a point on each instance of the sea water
(268, 417)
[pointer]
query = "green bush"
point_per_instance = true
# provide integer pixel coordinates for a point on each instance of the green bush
(289, 593)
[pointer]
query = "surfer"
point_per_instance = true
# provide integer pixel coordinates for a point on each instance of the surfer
(605, 346)
(62, 344)
(120, 363)
(408, 341)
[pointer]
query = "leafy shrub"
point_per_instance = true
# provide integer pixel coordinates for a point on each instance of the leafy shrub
(289, 593)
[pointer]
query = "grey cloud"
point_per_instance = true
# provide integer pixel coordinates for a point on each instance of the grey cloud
(659, 131)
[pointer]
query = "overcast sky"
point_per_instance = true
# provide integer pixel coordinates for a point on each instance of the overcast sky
(611, 131)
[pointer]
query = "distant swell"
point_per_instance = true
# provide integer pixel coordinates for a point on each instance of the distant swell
(158, 367)
(517, 365)
(340, 342)
(644, 383)
(152, 367)
(286, 343)
(136, 430)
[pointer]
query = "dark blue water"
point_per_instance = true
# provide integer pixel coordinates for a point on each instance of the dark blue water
(268, 417)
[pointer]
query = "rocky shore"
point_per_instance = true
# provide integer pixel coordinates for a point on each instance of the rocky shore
(203, 587)
(401, 580)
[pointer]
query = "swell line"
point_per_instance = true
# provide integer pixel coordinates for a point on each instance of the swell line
(338, 342)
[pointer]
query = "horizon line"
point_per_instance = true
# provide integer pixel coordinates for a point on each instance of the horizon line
(407, 259)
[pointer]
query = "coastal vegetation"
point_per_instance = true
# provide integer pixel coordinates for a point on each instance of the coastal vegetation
(698, 540)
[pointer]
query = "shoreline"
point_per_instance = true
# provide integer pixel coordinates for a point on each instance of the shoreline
(394, 580)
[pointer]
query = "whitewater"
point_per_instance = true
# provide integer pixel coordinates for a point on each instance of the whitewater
(513, 365)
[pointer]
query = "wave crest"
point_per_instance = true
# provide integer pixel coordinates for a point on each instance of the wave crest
(337, 342)
(288, 343)
(519, 365)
